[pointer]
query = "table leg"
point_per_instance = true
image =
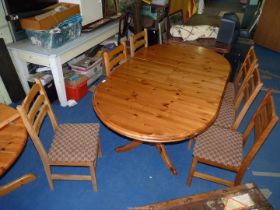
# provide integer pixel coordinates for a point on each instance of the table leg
(165, 158)
(16, 183)
(128, 146)
(134, 143)
(57, 72)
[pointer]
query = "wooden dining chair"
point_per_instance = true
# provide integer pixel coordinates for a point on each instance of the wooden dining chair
(224, 148)
(251, 86)
(232, 87)
(114, 57)
(138, 41)
(231, 113)
(73, 144)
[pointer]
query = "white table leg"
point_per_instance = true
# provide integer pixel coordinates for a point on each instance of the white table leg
(56, 67)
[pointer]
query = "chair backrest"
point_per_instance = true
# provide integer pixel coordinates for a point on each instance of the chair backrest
(114, 57)
(247, 93)
(138, 41)
(33, 110)
(248, 61)
(162, 31)
(262, 123)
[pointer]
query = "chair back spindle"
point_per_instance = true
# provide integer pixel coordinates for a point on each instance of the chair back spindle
(138, 41)
(262, 122)
(34, 109)
(247, 93)
(248, 62)
(114, 57)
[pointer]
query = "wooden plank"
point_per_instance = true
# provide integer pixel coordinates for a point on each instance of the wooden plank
(213, 179)
(16, 183)
(268, 32)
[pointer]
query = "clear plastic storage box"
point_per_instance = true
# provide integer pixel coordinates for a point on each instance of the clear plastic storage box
(55, 37)
(89, 67)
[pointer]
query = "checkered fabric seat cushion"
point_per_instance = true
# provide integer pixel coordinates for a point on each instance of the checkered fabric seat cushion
(75, 143)
(229, 93)
(220, 145)
(226, 115)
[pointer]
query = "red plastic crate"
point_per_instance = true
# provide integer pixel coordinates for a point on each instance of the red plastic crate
(76, 92)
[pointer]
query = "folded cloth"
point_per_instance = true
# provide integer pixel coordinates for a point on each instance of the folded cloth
(191, 33)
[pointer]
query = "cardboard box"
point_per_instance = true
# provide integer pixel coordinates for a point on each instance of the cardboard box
(50, 18)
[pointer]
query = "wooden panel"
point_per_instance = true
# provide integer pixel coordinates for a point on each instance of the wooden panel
(268, 28)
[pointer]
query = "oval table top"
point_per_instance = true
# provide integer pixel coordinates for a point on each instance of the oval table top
(13, 137)
(166, 93)
(182, 55)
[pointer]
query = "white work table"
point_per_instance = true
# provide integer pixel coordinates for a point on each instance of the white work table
(23, 52)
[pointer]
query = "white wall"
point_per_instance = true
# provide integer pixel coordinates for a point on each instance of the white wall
(6, 35)
(91, 10)
(4, 28)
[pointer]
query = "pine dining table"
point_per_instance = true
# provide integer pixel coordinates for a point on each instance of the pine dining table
(166, 93)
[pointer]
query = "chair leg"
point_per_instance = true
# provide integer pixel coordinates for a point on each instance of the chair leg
(49, 176)
(239, 176)
(190, 144)
(93, 178)
(99, 148)
(194, 162)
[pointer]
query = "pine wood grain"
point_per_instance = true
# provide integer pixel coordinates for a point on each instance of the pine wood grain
(166, 93)
(13, 137)
(7, 115)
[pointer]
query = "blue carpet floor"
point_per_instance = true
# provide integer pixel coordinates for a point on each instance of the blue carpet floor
(137, 177)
